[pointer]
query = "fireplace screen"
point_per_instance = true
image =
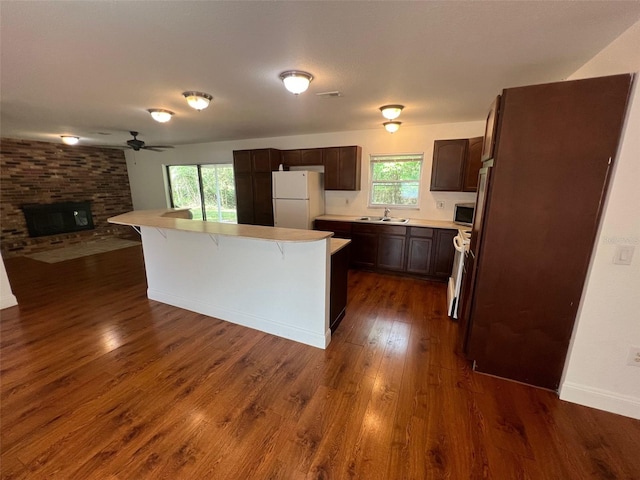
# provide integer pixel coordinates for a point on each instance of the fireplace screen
(55, 218)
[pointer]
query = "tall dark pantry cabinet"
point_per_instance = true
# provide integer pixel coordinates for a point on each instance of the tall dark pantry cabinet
(549, 150)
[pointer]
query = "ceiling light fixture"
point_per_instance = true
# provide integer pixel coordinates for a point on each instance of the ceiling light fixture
(391, 112)
(69, 140)
(161, 115)
(198, 100)
(392, 127)
(296, 81)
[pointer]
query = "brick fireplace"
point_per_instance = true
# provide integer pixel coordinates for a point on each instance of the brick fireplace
(50, 176)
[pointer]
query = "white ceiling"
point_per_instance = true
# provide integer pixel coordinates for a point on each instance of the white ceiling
(90, 68)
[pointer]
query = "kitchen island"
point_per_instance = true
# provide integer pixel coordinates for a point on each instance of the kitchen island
(276, 280)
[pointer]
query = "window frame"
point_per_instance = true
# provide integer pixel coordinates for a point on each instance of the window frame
(380, 158)
(200, 186)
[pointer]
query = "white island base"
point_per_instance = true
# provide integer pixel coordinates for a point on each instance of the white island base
(276, 284)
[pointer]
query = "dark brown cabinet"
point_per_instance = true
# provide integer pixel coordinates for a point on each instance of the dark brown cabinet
(342, 168)
(541, 206)
(244, 198)
(364, 245)
(448, 163)
(291, 158)
(472, 165)
(252, 171)
(491, 125)
(392, 242)
(444, 252)
(456, 164)
(339, 229)
(338, 290)
(302, 157)
(422, 251)
(310, 156)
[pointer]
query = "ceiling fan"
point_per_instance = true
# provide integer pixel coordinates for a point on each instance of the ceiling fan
(136, 144)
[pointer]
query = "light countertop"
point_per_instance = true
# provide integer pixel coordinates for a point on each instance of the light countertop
(337, 244)
(169, 218)
(412, 222)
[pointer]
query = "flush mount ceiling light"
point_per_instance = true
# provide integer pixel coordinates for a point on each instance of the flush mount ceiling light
(160, 115)
(296, 81)
(198, 100)
(69, 140)
(392, 127)
(391, 112)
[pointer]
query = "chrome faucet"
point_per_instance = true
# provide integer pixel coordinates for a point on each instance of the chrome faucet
(387, 212)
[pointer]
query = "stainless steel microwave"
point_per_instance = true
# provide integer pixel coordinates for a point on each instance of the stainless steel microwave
(463, 213)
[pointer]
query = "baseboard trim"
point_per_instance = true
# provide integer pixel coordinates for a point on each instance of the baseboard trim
(601, 399)
(7, 301)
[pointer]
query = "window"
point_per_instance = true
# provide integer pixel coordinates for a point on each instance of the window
(395, 180)
(207, 190)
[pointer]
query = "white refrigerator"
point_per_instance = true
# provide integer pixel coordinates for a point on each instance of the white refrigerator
(298, 198)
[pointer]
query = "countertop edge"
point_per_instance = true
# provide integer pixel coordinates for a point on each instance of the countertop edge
(166, 218)
(413, 222)
(337, 244)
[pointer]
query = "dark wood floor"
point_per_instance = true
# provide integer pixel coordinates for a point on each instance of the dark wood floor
(100, 383)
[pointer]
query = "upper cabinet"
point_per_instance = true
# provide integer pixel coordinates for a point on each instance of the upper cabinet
(342, 165)
(456, 164)
(491, 126)
(472, 165)
(342, 168)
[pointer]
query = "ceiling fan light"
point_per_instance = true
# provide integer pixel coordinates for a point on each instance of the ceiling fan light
(392, 127)
(391, 112)
(296, 81)
(198, 100)
(69, 139)
(160, 115)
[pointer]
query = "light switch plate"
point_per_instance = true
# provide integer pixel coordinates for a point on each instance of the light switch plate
(624, 254)
(634, 357)
(440, 204)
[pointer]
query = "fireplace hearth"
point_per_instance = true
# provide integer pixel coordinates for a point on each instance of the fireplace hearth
(56, 218)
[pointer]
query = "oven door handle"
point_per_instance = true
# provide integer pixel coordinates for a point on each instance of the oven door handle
(457, 243)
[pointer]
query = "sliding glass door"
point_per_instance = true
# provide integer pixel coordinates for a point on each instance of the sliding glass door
(207, 190)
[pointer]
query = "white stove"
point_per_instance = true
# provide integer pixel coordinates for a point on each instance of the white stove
(461, 244)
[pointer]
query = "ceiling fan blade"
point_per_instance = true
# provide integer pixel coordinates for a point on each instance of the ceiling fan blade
(153, 149)
(159, 146)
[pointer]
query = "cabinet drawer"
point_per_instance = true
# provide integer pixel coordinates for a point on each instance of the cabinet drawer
(379, 229)
(421, 232)
(336, 227)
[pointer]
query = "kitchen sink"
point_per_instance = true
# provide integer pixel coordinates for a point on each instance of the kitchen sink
(395, 220)
(386, 220)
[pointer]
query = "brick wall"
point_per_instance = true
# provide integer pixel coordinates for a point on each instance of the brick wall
(40, 172)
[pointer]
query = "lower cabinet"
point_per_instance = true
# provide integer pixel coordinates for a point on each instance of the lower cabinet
(338, 292)
(422, 251)
(364, 245)
(392, 243)
(444, 252)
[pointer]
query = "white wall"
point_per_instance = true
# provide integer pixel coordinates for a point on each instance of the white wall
(146, 172)
(608, 322)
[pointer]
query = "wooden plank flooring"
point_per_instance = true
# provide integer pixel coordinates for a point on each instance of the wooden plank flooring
(98, 382)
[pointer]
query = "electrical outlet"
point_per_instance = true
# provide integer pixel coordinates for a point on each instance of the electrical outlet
(440, 204)
(634, 357)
